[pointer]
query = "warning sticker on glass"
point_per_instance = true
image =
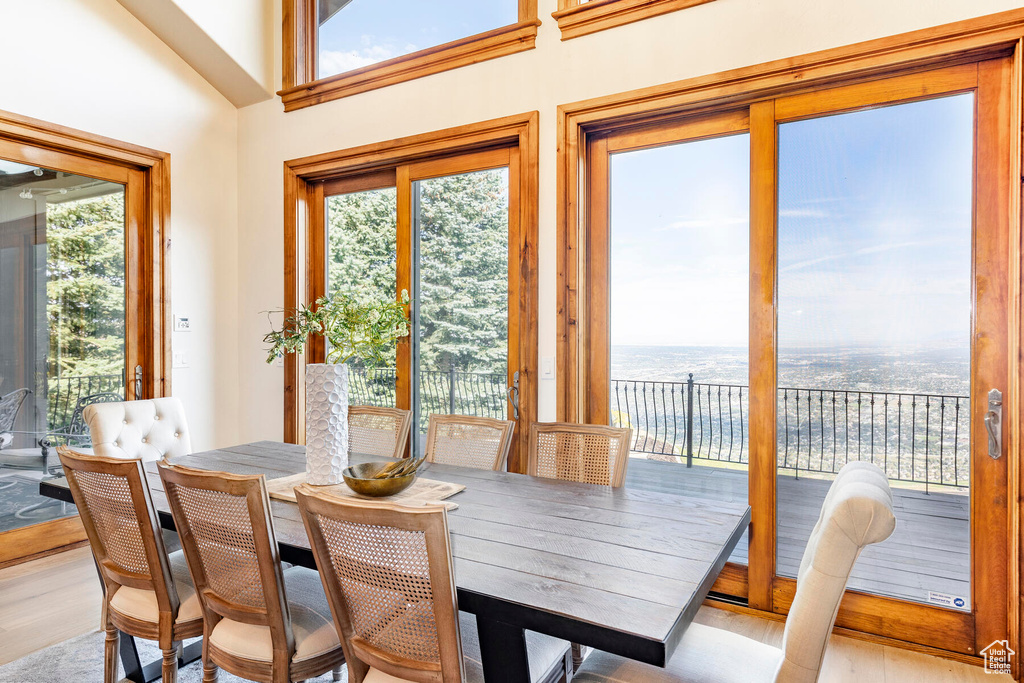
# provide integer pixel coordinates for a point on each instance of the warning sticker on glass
(947, 600)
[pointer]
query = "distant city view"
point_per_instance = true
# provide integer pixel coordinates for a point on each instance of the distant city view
(935, 370)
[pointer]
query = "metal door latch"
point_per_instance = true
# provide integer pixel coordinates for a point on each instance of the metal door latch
(513, 395)
(994, 423)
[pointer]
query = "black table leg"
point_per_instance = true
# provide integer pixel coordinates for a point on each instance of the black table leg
(503, 652)
(133, 669)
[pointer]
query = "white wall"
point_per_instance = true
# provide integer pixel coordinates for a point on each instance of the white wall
(243, 28)
(90, 65)
(721, 35)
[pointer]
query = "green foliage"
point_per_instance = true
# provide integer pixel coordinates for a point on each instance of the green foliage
(86, 286)
(464, 272)
(355, 328)
(463, 264)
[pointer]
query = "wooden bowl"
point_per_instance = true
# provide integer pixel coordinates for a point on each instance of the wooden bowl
(360, 479)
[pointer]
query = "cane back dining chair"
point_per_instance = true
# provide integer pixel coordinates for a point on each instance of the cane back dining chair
(857, 512)
(591, 454)
(260, 621)
(147, 593)
(479, 442)
(373, 430)
(387, 570)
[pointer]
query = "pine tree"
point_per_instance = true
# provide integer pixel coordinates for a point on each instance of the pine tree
(85, 288)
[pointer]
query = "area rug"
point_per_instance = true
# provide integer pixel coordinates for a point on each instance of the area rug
(80, 660)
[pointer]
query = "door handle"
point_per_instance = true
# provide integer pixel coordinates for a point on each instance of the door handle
(513, 395)
(994, 423)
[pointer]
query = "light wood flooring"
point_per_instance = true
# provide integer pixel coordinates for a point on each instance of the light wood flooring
(58, 597)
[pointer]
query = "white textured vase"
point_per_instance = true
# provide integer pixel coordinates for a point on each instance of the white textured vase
(326, 423)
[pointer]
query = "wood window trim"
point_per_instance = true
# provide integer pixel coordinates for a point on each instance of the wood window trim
(304, 194)
(300, 87)
(576, 19)
(146, 175)
(970, 41)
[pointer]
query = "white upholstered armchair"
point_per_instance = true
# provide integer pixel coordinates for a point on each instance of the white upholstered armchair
(856, 513)
(150, 429)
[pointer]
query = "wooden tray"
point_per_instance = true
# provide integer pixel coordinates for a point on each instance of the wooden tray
(422, 491)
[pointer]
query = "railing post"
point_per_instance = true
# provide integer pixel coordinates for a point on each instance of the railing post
(451, 389)
(689, 421)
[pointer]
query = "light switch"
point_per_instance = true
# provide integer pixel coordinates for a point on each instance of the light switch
(179, 359)
(547, 367)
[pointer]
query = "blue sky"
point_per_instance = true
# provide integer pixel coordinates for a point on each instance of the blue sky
(369, 31)
(874, 233)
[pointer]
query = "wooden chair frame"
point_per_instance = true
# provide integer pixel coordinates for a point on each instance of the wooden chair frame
(166, 631)
(507, 428)
(276, 616)
(432, 521)
(401, 417)
(621, 458)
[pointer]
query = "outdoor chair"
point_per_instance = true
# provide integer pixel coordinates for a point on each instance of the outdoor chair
(478, 442)
(388, 572)
(10, 406)
(260, 621)
(378, 431)
(857, 512)
(147, 593)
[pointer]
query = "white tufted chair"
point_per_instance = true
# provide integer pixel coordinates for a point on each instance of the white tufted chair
(856, 513)
(150, 429)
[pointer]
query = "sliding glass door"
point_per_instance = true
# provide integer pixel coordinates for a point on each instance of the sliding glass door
(460, 354)
(62, 323)
(857, 312)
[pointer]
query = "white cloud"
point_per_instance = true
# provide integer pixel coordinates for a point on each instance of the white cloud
(340, 61)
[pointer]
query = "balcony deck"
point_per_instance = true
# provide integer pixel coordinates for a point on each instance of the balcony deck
(929, 551)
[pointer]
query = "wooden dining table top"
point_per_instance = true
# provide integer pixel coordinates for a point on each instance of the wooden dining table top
(622, 570)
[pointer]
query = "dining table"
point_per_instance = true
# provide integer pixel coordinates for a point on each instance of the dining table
(623, 570)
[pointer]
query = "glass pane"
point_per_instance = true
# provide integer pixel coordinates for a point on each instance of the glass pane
(874, 330)
(357, 33)
(62, 324)
(361, 254)
(460, 324)
(679, 312)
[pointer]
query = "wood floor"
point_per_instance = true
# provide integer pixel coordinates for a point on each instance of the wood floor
(929, 551)
(58, 597)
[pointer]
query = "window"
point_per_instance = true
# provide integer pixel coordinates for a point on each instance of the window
(336, 48)
(453, 224)
(581, 17)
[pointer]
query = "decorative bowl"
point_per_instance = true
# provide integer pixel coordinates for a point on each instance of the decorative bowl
(360, 479)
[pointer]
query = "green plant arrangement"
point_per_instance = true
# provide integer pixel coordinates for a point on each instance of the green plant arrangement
(355, 327)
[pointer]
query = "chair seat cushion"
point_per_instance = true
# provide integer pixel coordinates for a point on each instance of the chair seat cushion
(311, 623)
(704, 655)
(141, 604)
(544, 653)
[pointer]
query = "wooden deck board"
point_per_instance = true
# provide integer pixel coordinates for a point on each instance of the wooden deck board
(929, 551)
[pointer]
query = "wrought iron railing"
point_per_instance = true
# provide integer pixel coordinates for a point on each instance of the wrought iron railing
(441, 391)
(64, 393)
(920, 438)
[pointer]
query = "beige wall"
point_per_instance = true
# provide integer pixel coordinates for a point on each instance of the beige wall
(706, 39)
(90, 65)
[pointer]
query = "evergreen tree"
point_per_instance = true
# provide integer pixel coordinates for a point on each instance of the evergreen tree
(85, 288)
(463, 263)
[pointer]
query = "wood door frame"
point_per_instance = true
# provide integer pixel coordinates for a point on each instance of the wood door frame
(304, 237)
(973, 41)
(147, 179)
